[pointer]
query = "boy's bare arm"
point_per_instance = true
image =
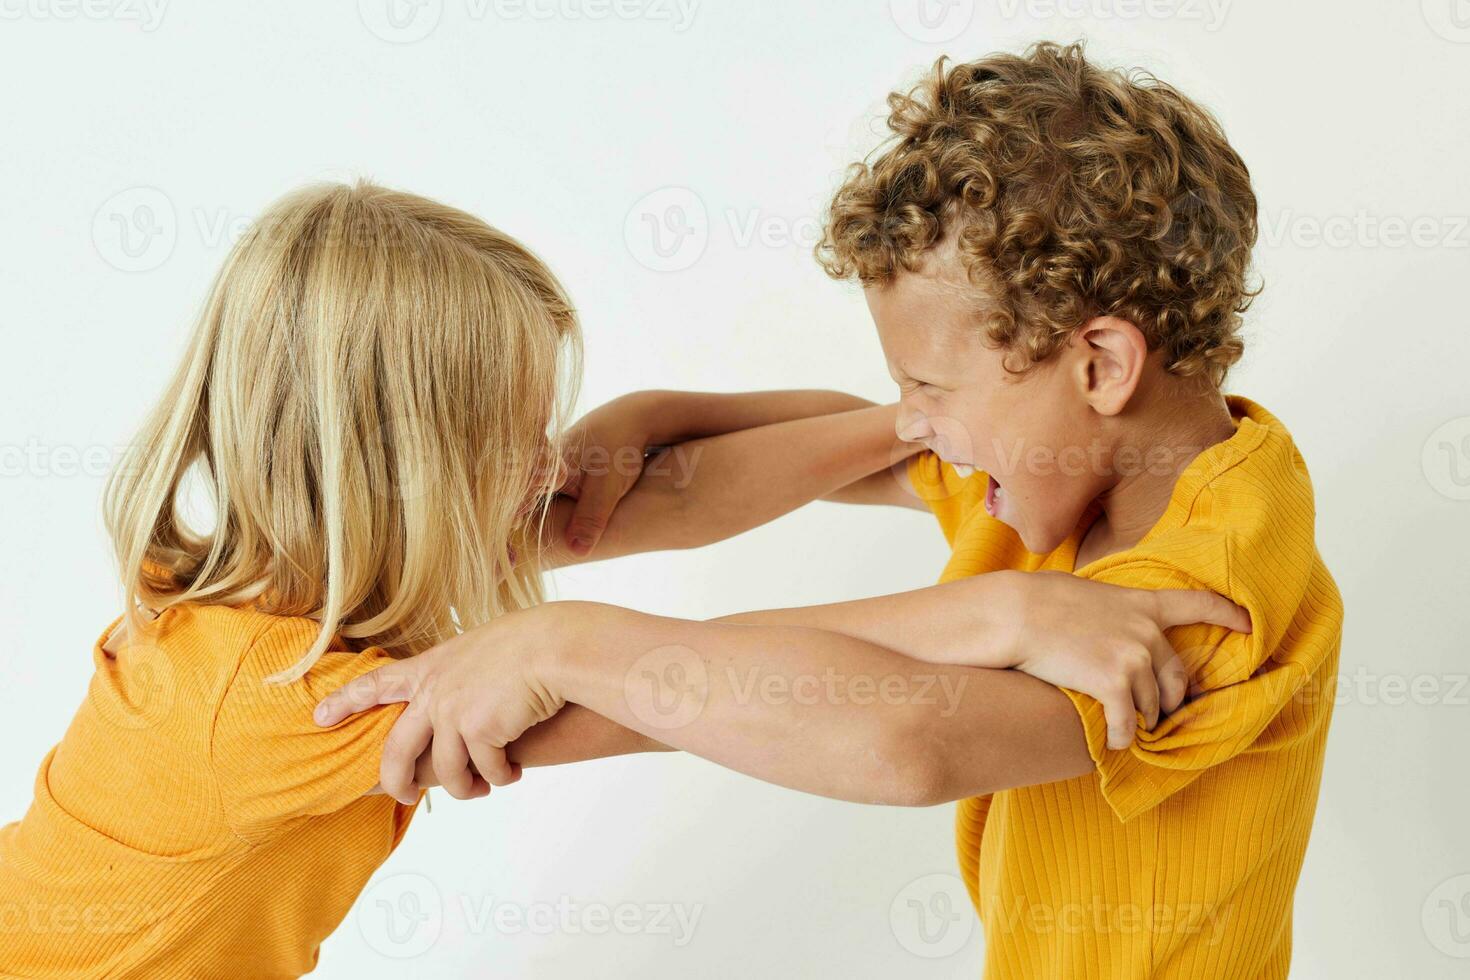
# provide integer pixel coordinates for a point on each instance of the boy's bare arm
(770, 453)
(705, 490)
(874, 727)
(1103, 640)
(573, 734)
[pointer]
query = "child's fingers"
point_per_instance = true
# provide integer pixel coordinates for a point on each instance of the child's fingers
(1117, 702)
(410, 736)
(452, 764)
(597, 498)
(492, 763)
(423, 770)
(1146, 699)
(1169, 672)
(386, 685)
(1179, 607)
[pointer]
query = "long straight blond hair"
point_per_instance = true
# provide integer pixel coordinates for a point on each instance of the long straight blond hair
(372, 398)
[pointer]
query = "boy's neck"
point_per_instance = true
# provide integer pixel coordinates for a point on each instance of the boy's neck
(1186, 425)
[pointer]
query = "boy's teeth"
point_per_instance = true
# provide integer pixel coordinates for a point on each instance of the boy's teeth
(963, 470)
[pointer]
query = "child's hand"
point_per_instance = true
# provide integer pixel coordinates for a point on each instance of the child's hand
(1108, 642)
(468, 698)
(606, 450)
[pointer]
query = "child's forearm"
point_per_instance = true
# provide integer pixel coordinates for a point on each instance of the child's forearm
(575, 734)
(818, 711)
(972, 621)
(706, 490)
(680, 416)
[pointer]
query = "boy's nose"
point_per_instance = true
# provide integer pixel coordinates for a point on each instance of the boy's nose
(913, 427)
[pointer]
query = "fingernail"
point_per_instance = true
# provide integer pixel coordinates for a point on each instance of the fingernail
(321, 714)
(581, 545)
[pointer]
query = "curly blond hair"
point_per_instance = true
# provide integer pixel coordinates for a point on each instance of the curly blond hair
(1072, 192)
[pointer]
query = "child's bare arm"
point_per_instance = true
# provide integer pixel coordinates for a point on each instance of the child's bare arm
(709, 489)
(896, 731)
(573, 734)
(812, 709)
(1106, 641)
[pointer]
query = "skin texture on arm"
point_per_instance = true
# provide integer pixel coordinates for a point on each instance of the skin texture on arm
(1103, 640)
(707, 490)
(605, 450)
(576, 734)
(808, 709)
(671, 417)
(573, 734)
(823, 712)
(813, 709)
(746, 464)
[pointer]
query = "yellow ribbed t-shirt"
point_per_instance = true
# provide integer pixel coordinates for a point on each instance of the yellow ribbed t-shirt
(194, 822)
(1177, 858)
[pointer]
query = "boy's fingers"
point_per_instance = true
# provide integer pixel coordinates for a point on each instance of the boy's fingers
(1180, 607)
(410, 736)
(452, 765)
(597, 499)
(386, 685)
(493, 764)
(423, 770)
(571, 482)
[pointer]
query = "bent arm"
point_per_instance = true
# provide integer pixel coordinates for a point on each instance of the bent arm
(682, 416)
(706, 490)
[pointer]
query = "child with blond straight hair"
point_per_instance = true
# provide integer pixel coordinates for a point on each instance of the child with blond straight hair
(367, 400)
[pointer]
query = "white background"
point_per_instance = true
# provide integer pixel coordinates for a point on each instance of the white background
(555, 119)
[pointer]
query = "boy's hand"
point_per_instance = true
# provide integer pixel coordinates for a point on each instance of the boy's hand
(1108, 642)
(469, 698)
(607, 448)
(606, 451)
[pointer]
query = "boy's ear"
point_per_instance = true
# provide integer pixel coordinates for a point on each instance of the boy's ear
(1113, 352)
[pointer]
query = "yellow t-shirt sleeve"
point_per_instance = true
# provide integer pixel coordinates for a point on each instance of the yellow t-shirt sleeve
(952, 498)
(1236, 690)
(273, 762)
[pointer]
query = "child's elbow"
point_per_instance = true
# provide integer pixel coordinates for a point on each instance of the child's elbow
(910, 771)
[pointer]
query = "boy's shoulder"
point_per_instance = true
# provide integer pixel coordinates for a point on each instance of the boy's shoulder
(1242, 522)
(1242, 516)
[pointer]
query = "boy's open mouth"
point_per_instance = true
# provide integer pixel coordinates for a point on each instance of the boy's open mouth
(993, 496)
